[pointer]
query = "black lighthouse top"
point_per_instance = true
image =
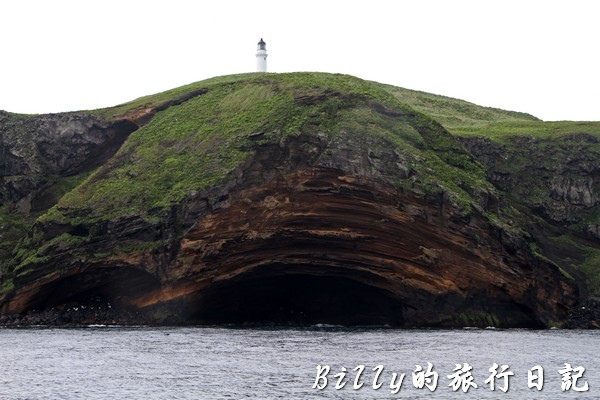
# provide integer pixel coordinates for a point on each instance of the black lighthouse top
(262, 45)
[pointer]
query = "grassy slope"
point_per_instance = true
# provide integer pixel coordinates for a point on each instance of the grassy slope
(196, 145)
(163, 97)
(468, 120)
(14, 225)
(503, 131)
(454, 112)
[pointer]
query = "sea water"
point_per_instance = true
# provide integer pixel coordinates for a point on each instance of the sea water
(311, 363)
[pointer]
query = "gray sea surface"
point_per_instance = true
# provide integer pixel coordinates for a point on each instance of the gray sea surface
(233, 363)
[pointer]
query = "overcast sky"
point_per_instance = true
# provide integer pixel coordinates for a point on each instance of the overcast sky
(540, 57)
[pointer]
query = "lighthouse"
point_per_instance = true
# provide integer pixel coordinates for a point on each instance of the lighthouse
(261, 56)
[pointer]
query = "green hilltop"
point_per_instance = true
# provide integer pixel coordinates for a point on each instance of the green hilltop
(194, 145)
(213, 133)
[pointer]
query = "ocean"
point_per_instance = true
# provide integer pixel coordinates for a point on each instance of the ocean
(321, 362)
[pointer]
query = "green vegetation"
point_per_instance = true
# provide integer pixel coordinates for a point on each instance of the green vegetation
(462, 118)
(129, 247)
(166, 96)
(197, 145)
(537, 157)
(503, 131)
(13, 225)
(7, 286)
(536, 252)
(589, 217)
(441, 164)
(588, 260)
(591, 269)
(54, 246)
(192, 146)
(453, 112)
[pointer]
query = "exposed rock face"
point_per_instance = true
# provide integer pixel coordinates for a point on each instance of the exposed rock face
(310, 234)
(594, 230)
(351, 225)
(559, 178)
(37, 149)
(411, 262)
(43, 156)
(555, 180)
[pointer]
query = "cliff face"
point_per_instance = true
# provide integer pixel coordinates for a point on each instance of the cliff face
(36, 149)
(556, 181)
(557, 177)
(298, 198)
(42, 157)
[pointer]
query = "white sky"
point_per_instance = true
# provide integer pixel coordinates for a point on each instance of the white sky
(540, 57)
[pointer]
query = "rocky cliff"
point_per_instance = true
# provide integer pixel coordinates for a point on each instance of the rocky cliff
(42, 157)
(292, 198)
(556, 181)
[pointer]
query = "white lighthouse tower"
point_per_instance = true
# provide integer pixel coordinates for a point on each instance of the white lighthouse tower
(261, 56)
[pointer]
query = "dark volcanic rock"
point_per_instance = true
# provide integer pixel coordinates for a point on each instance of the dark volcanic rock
(555, 181)
(37, 149)
(365, 212)
(585, 316)
(558, 177)
(43, 156)
(300, 240)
